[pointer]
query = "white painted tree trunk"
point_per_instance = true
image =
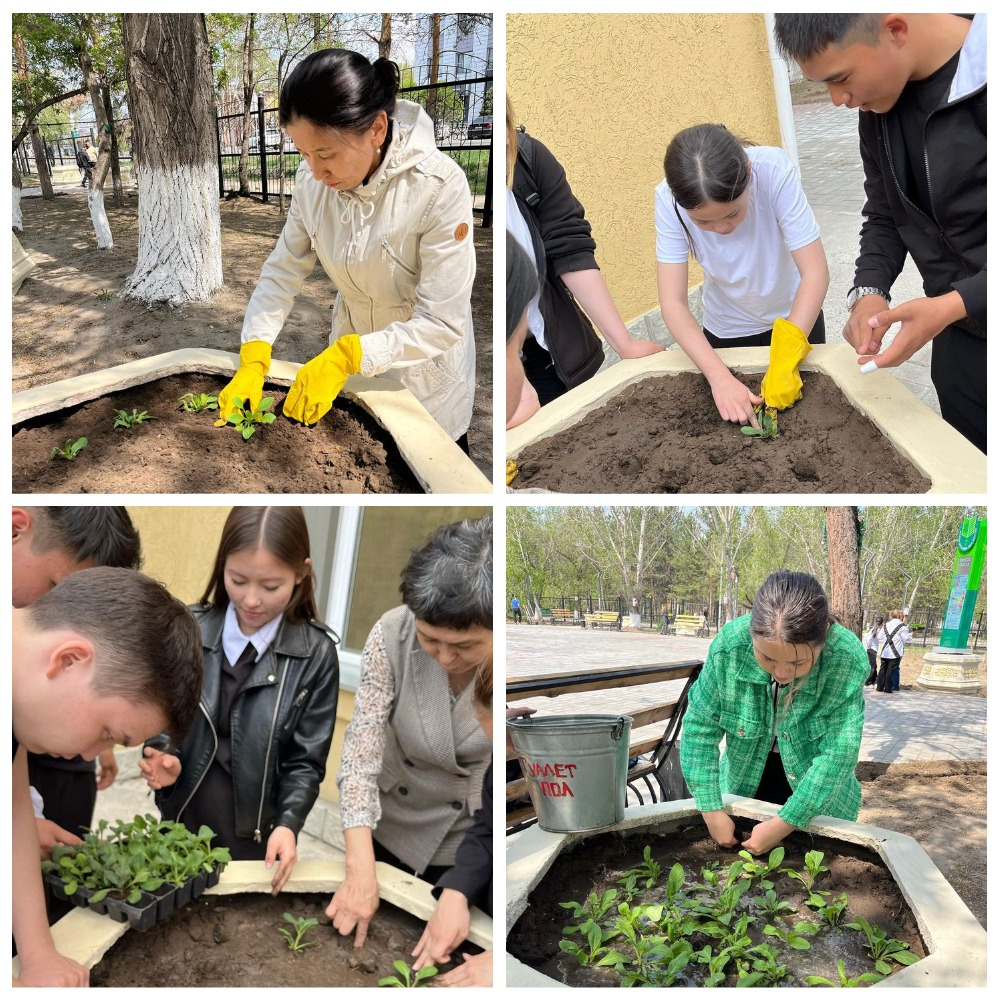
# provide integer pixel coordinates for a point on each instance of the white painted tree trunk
(16, 217)
(178, 262)
(102, 228)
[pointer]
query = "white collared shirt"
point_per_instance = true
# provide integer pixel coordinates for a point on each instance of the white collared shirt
(234, 641)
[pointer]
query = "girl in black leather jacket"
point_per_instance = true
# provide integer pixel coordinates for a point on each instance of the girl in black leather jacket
(252, 763)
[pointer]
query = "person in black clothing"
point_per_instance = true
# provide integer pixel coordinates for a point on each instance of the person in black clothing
(562, 349)
(919, 81)
(86, 167)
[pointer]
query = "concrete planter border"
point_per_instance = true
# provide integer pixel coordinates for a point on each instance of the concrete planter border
(86, 937)
(947, 459)
(954, 939)
(437, 462)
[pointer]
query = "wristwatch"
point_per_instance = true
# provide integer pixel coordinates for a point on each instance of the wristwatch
(856, 293)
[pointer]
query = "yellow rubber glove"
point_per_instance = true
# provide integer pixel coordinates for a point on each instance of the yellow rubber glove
(248, 382)
(781, 385)
(319, 381)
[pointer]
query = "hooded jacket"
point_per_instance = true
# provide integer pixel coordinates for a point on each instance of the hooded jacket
(400, 251)
(282, 724)
(949, 245)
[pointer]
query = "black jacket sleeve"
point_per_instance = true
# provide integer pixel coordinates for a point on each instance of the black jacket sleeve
(472, 873)
(569, 245)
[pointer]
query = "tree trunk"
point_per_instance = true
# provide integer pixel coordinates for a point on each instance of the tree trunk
(37, 146)
(432, 93)
(118, 195)
(17, 220)
(248, 85)
(95, 193)
(845, 577)
(385, 38)
(171, 100)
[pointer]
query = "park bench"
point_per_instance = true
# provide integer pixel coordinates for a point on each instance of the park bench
(650, 746)
(688, 625)
(603, 619)
(563, 616)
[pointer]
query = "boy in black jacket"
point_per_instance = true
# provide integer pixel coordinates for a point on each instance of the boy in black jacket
(919, 81)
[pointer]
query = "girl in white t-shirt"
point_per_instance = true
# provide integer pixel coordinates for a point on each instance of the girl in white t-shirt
(741, 213)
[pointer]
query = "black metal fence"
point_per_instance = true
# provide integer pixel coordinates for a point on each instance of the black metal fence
(925, 623)
(462, 111)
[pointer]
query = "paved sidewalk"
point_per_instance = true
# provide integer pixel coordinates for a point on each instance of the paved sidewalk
(906, 726)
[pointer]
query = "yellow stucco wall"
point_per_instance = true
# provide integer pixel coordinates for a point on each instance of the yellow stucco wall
(605, 92)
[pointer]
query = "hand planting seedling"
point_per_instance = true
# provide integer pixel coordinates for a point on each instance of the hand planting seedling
(129, 420)
(192, 403)
(865, 977)
(295, 936)
(767, 417)
(246, 420)
(70, 449)
(404, 977)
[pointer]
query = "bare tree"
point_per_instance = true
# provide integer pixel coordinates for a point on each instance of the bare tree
(171, 98)
(845, 577)
(37, 146)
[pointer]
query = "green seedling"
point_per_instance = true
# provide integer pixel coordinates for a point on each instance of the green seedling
(70, 449)
(296, 935)
(865, 977)
(405, 978)
(644, 876)
(716, 963)
(129, 420)
(830, 911)
(794, 937)
(757, 871)
(773, 907)
(768, 420)
(760, 967)
(814, 868)
(882, 948)
(657, 963)
(592, 909)
(192, 403)
(246, 419)
(105, 295)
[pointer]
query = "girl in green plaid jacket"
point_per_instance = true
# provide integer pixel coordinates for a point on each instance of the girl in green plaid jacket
(784, 686)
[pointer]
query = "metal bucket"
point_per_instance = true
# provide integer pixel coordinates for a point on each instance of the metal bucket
(575, 767)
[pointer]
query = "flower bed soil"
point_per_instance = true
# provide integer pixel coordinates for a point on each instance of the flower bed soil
(664, 435)
(596, 864)
(224, 941)
(179, 452)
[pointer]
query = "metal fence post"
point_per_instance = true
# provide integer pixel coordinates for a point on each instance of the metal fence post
(262, 148)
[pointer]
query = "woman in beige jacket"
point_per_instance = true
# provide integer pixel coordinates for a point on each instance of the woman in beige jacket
(389, 218)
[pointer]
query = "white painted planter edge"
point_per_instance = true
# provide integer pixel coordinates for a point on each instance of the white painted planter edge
(947, 459)
(437, 462)
(955, 940)
(86, 937)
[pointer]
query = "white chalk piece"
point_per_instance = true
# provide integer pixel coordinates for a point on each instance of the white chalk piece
(869, 366)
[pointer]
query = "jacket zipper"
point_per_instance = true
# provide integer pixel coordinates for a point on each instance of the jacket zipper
(215, 750)
(388, 251)
(267, 757)
(295, 704)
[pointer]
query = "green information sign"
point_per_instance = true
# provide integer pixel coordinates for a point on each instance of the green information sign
(964, 584)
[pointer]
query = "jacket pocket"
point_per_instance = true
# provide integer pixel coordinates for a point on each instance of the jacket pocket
(740, 727)
(294, 713)
(395, 260)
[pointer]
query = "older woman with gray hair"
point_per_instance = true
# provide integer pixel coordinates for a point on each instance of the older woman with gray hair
(414, 755)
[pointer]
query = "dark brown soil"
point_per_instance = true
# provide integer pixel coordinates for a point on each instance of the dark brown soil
(596, 864)
(179, 452)
(664, 435)
(234, 941)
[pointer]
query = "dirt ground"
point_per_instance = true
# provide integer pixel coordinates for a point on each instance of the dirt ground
(233, 941)
(67, 318)
(942, 804)
(663, 435)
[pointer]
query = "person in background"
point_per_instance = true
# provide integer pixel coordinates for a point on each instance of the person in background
(784, 686)
(871, 648)
(893, 637)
